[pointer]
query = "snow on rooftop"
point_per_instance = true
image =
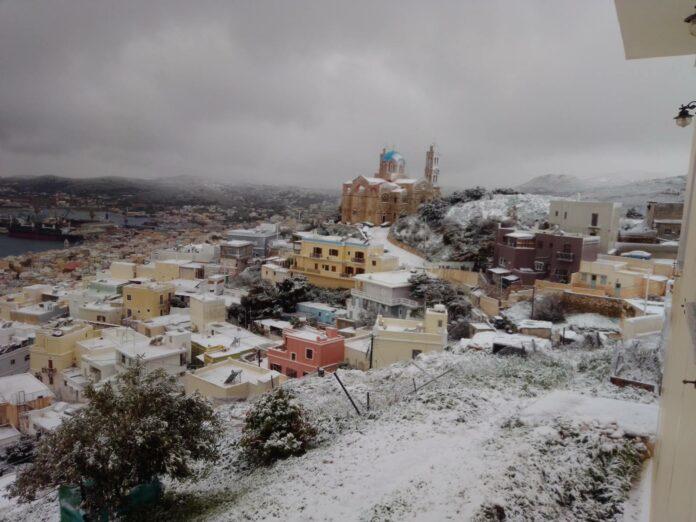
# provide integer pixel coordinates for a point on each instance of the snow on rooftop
(13, 386)
(392, 279)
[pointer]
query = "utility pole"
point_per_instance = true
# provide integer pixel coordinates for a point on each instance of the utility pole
(372, 346)
(533, 299)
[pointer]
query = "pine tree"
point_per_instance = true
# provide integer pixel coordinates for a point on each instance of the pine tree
(134, 430)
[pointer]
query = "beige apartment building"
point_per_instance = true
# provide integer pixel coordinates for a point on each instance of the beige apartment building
(231, 379)
(147, 300)
(589, 218)
(54, 349)
(623, 277)
(332, 261)
(206, 309)
(404, 339)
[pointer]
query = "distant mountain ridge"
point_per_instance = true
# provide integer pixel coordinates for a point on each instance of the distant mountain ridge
(608, 188)
(181, 190)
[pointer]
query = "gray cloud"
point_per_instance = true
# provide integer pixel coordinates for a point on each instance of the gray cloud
(308, 92)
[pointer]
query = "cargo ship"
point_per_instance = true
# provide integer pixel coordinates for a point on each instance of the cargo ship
(47, 231)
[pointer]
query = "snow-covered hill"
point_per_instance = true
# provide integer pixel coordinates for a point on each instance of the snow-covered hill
(528, 208)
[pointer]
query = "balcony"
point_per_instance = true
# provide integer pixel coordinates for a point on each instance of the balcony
(358, 260)
(315, 255)
(311, 270)
(565, 256)
(397, 301)
(344, 274)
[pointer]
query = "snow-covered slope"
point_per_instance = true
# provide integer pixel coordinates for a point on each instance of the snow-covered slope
(484, 435)
(554, 184)
(528, 208)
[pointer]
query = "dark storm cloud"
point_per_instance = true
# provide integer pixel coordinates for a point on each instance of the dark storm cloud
(308, 92)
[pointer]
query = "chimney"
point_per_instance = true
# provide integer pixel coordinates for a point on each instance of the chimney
(331, 332)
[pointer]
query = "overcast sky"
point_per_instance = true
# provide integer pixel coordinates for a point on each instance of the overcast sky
(307, 93)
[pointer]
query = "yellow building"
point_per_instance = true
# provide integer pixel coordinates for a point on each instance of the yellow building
(332, 261)
(147, 300)
(396, 340)
(623, 277)
(231, 380)
(54, 349)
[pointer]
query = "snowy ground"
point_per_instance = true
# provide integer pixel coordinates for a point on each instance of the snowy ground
(493, 433)
(407, 259)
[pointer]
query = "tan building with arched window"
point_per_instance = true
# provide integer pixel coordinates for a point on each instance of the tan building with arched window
(390, 193)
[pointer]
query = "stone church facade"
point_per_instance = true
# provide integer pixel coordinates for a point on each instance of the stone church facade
(390, 193)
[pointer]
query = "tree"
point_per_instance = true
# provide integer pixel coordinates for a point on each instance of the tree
(134, 430)
(276, 427)
(633, 213)
(24, 450)
(291, 291)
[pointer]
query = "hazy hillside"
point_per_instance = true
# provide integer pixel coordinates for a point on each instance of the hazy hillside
(178, 190)
(630, 193)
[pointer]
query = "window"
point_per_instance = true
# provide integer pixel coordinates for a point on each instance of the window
(415, 353)
(595, 219)
(359, 270)
(50, 364)
(539, 266)
(309, 353)
(374, 263)
(439, 323)
(333, 268)
(291, 373)
(333, 252)
(293, 356)
(556, 214)
(123, 359)
(182, 359)
(304, 374)
(129, 312)
(128, 297)
(50, 378)
(277, 368)
(316, 266)
(161, 299)
(26, 357)
(12, 361)
(565, 215)
(603, 280)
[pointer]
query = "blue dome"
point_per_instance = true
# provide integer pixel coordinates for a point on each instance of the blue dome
(392, 155)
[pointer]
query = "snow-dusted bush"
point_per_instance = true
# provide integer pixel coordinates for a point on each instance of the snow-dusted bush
(138, 428)
(549, 308)
(566, 472)
(276, 427)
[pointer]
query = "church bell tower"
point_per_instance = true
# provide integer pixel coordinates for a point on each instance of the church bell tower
(432, 166)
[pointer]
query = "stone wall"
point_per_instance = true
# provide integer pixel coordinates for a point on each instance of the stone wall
(608, 306)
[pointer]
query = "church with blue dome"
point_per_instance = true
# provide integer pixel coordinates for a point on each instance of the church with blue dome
(390, 193)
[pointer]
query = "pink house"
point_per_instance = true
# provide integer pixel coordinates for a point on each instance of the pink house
(305, 350)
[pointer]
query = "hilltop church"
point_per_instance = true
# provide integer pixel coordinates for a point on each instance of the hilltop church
(390, 193)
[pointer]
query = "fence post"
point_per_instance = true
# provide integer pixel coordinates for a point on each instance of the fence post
(346, 392)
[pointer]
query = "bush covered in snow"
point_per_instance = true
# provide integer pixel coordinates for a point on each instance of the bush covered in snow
(569, 472)
(135, 429)
(433, 291)
(549, 308)
(276, 427)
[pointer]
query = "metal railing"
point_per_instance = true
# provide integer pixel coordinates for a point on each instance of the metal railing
(565, 256)
(357, 259)
(397, 301)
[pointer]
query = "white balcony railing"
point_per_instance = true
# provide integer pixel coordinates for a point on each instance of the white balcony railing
(397, 301)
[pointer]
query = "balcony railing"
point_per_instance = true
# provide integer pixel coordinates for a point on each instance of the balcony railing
(315, 255)
(565, 256)
(397, 301)
(344, 274)
(357, 259)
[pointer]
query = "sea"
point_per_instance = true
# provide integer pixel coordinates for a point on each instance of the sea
(14, 246)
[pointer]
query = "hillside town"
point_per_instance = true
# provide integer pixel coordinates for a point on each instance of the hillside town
(235, 314)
